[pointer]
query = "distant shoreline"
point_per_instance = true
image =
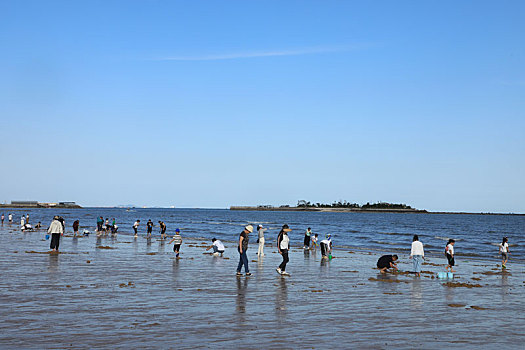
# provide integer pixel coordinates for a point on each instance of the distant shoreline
(359, 210)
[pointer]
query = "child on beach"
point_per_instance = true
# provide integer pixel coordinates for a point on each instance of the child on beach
(218, 247)
(177, 240)
(504, 251)
(449, 252)
(315, 238)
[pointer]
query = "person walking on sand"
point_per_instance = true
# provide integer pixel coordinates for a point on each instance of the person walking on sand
(76, 223)
(504, 251)
(10, 218)
(177, 241)
(218, 247)
(22, 223)
(136, 227)
(242, 248)
(283, 245)
(149, 225)
(2, 219)
(260, 240)
(56, 229)
(307, 238)
(417, 254)
(27, 218)
(162, 230)
(386, 262)
(449, 252)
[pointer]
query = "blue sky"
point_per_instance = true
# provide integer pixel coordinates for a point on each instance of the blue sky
(218, 103)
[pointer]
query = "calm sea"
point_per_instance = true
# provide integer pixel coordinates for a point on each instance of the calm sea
(475, 235)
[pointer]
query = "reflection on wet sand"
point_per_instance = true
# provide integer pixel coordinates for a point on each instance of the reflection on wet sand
(281, 300)
(242, 285)
(416, 295)
(53, 264)
(347, 298)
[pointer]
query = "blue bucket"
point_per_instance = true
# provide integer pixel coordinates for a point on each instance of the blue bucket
(47, 236)
(450, 275)
(442, 275)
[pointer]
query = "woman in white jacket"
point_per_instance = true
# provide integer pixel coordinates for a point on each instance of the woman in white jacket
(417, 254)
(55, 230)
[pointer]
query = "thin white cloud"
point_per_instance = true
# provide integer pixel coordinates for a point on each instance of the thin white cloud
(256, 54)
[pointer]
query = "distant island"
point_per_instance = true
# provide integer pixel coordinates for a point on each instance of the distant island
(36, 204)
(345, 206)
(341, 206)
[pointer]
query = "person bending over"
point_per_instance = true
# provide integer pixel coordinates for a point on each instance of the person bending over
(217, 246)
(387, 262)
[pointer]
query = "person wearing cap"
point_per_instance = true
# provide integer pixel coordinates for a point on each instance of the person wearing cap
(55, 230)
(283, 244)
(177, 240)
(218, 247)
(326, 246)
(242, 248)
(260, 231)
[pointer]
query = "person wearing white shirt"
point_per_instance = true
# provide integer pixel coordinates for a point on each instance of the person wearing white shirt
(283, 243)
(326, 247)
(260, 231)
(449, 252)
(417, 254)
(218, 247)
(55, 230)
(504, 251)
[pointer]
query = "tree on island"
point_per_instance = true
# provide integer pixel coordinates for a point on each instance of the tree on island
(345, 204)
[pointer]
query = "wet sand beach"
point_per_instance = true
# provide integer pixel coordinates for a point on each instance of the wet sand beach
(134, 294)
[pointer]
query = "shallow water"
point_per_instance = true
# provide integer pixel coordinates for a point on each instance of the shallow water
(476, 235)
(137, 295)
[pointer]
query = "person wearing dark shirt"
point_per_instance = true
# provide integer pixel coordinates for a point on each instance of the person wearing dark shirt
(75, 227)
(149, 225)
(162, 230)
(242, 248)
(386, 262)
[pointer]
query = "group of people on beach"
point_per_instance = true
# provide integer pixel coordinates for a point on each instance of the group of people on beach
(417, 254)
(24, 222)
(283, 247)
(386, 262)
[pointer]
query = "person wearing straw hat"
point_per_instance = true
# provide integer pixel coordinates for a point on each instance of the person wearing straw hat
(242, 248)
(283, 244)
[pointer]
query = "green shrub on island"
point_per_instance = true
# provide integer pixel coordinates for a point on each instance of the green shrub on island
(346, 204)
